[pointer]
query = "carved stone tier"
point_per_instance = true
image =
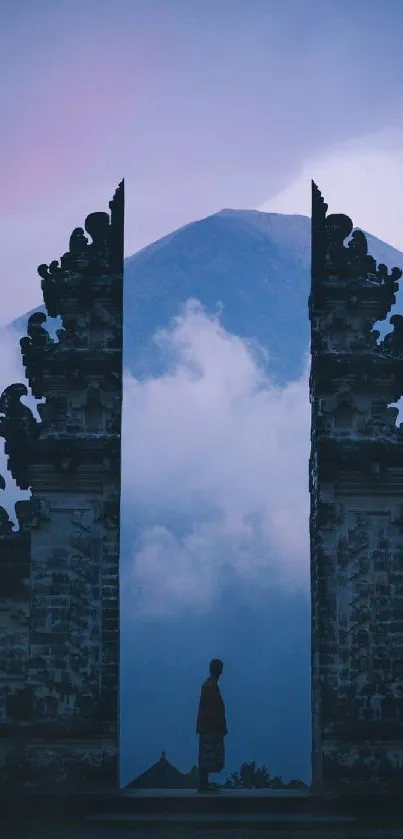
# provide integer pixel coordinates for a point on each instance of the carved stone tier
(356, 522)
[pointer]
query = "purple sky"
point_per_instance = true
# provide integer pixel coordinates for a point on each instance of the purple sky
(199, 105)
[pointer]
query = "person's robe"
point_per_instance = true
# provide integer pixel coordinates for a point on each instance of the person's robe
(211, 727)
(211, 715)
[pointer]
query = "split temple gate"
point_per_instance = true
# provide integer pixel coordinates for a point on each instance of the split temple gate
(356, 522)
(59, 574)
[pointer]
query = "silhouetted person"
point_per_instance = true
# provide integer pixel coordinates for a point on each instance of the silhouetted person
(211, 726)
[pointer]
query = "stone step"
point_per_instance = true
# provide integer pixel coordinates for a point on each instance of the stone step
(190, 801)
(305, 821)
(237, 811)
(240, 803)
(198, 830)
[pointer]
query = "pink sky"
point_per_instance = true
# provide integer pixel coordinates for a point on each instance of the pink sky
(198, 105)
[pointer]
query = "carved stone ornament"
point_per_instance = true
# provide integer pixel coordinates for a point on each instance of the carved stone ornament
(20, 430)
(33, 349)
(65, 458)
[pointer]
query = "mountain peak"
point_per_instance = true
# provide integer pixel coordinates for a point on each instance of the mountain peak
(253, 267)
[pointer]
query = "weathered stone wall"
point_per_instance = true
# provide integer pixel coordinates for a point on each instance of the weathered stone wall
(59, 576)
(356, 523)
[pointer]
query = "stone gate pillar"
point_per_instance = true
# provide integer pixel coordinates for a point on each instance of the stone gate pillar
(59, 711)
(356, 522)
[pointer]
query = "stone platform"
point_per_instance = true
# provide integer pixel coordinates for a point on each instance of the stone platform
(177, 814)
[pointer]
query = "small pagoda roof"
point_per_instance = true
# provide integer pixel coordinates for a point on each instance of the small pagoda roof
(162, 775)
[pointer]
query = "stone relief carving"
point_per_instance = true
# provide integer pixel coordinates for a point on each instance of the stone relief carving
(33, 348)
(20, 430)
(66, 457)
(6, 525)
(349, 260)
(109, 510)
(73, 333)
(393, 341)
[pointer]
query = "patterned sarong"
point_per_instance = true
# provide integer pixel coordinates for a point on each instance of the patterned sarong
(211, 752)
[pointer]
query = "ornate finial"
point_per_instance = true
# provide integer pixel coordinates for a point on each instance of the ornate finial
(318, 202)
(119, 196)
(333, 256)
(117, 208)
(102, 254)
(318, 233)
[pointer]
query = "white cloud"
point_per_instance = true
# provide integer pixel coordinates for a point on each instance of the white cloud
(362, 178)
(215, 470)
(214, 440)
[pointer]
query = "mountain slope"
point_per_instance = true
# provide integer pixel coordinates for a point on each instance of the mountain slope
(236, 263)
(252, 268)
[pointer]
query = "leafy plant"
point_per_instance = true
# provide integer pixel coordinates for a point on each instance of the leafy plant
(250, 776)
